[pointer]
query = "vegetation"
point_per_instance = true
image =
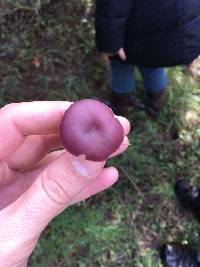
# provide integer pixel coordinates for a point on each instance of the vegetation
(47, 52)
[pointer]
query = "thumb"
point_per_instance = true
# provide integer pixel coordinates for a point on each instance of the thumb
(58, 185)
(64, 182)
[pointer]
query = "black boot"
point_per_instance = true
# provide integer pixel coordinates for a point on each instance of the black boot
(121, 103)
(155, 101)
(173, 255)
(189, 197)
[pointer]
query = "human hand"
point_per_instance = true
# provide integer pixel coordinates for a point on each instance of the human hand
(38, 181)
(194, 68)
(121, 53)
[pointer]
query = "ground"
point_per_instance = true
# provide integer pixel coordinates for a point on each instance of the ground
(47, 52)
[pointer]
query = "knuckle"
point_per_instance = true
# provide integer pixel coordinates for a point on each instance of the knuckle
(57, 186)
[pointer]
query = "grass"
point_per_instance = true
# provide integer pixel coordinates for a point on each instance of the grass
(48, 53)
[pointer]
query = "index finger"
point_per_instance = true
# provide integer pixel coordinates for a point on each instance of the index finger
(17, 121)
(28, 118)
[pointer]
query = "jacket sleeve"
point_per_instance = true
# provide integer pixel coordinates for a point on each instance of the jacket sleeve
(110, 23)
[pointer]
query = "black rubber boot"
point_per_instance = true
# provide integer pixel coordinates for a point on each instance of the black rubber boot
(121, 103)
(155, 101)
(173, 255)
(189, 197)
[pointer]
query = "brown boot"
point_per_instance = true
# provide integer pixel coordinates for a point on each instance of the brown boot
(121, 103)
(155, 102)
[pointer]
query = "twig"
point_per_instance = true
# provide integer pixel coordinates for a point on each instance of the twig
(10, 12)
(132, 182)
(19, 8)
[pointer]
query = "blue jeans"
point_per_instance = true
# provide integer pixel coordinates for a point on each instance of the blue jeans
(122, 78)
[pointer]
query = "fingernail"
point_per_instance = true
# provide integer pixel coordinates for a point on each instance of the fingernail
(86, 168)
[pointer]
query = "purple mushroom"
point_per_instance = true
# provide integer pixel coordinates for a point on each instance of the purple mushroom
(89, 128)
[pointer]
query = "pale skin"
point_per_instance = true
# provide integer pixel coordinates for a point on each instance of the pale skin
(121, 53)
(37, 182)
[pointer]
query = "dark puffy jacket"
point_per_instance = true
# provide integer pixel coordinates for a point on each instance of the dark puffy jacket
(152, 32)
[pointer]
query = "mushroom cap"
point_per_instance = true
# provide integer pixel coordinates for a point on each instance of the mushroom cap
(89, 128)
